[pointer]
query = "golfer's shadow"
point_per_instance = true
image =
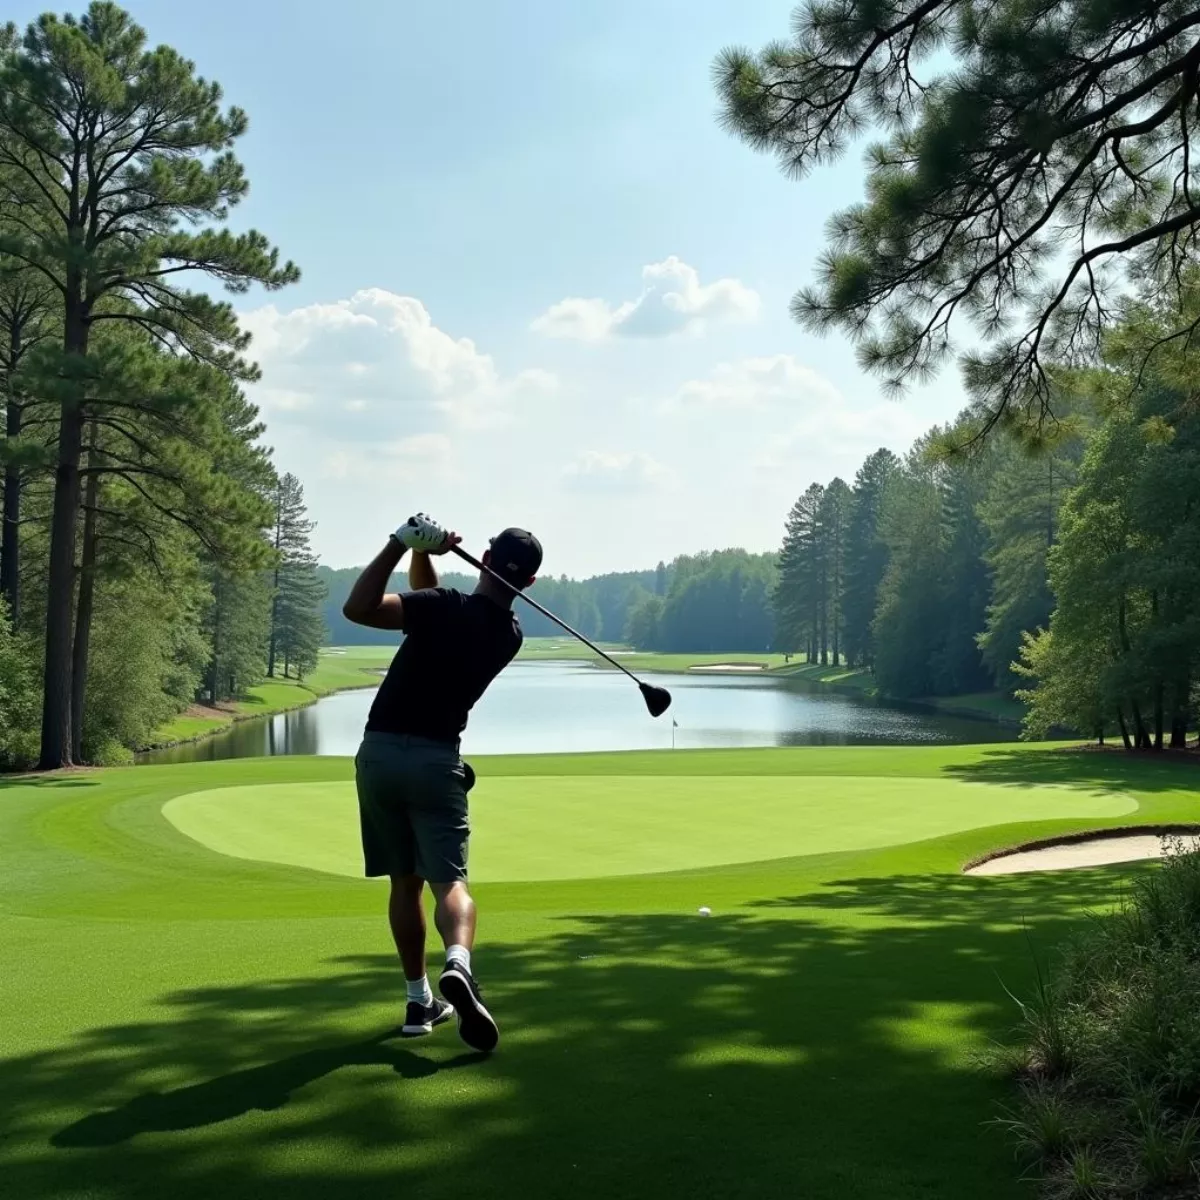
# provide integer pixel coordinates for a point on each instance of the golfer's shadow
(263, 1088)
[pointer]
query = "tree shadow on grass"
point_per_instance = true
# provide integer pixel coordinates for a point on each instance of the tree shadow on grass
(1086, 768)
(951, 901)
(774, 1050)
(83, 779)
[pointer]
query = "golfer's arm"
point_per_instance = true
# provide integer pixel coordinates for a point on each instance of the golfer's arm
(367, 603)
(421, 572)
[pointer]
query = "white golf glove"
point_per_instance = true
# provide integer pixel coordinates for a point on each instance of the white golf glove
(422, 533)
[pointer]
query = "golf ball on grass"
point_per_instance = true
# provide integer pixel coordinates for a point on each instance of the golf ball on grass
(705, 911)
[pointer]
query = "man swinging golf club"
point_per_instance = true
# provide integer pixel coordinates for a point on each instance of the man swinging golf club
(412, 782)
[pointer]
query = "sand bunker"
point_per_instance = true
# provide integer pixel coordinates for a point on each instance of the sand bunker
(1090, 850)
(730, 667)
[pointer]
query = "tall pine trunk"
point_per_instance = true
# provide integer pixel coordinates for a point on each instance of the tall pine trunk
(272, 649)
(1158, 683)
(1179, 731)
(1124, 729)
(60, 592)
(87, 600)
(1180, 694)
(60, 597)
(10, 512)
(215, 668)
(1141, 737)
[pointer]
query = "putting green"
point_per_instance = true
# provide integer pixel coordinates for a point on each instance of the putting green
(579, 827)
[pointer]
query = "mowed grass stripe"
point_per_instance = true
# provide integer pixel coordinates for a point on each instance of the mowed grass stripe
(572, 827)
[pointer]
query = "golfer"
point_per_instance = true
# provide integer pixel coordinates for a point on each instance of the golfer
(412, 782)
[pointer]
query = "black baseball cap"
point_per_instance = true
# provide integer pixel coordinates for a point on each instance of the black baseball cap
(516, 555)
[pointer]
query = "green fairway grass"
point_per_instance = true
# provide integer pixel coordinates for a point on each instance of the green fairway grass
(185, 1023)
(581, 827)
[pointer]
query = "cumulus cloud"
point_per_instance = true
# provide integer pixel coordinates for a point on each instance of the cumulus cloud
(756, 383)
(375, 367)
(825, 422)
(629, 473)
(673, 301)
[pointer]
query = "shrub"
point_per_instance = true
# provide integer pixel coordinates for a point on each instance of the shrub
(1109, 1100)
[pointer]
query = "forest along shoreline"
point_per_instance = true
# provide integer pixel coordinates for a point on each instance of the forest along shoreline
(270, 699)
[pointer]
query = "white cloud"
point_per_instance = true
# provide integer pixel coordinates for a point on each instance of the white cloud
(843, 436)
(365, 401)
(673, 301)
(756, 383)
(375, 367)
(630, 473)
(825, 424)
(424, 456)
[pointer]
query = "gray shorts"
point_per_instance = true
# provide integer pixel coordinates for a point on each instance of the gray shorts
(412, 803)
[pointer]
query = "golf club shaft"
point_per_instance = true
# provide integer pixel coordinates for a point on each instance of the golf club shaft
(516, 591)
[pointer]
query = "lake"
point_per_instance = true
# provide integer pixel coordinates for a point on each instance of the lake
(560, 707)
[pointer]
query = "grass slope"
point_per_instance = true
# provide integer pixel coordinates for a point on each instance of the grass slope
(182, 1023)
(336, 671)
(995, 706)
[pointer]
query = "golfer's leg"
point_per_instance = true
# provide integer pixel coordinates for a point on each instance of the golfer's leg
(389, 848)
(454, 916)
(407, 916)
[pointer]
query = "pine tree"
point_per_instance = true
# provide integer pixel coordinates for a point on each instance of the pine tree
(834, 517)
(964, 580)
(157, 436)
(907, 629)
(1034, 161)
(1020, 514)
(1101, 610)
(125, 148)
(25, 322)
(789, 636)
(297, 627)
(866, 556)
(798, 595)
(236, 629)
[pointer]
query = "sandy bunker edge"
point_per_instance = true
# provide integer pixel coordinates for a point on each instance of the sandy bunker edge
(1072, 849)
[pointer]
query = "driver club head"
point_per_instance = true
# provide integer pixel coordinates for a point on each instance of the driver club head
(658, 700)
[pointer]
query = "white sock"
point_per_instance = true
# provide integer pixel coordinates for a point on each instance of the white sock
(420, 991)
(458, 956)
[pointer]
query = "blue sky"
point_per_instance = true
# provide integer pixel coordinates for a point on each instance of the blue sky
(541, 285)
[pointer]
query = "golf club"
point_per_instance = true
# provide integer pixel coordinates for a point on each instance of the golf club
(657, 699)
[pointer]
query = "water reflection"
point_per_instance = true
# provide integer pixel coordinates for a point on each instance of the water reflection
(542, 707)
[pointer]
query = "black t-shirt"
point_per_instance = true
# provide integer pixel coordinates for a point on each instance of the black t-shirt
(454, 646)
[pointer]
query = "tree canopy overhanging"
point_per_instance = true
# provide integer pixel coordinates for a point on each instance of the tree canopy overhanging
(1034, 169)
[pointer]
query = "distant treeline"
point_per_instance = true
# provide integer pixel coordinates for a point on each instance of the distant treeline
(706, 602)
(927, 570)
